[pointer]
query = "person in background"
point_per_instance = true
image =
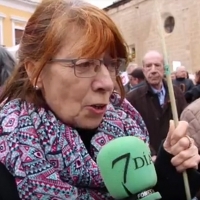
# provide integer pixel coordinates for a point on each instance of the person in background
(129, 70)
(173, 75)
(61, 109)
(152, 99)
(7, 64)
(136, 78)
(182, 81)
(194, 93)
(187, 75)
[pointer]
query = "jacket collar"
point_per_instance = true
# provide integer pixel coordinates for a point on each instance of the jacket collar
(149, 90)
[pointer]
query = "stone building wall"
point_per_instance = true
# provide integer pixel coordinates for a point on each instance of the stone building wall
(138, 23)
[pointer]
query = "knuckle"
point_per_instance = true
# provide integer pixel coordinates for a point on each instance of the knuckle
(183, 142)
(183, 155)
(189, 164)
(194, 163)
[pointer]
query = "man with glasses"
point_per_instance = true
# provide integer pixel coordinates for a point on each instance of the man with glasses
(152, 99)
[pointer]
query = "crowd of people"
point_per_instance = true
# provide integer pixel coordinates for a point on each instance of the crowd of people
(64, 100)
(147, 91)
(180, 78)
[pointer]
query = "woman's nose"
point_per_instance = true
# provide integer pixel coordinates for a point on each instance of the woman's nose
(103, 80)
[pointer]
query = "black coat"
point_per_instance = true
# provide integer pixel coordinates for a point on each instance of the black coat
(156, 118)
(184, 84)
(193, 94)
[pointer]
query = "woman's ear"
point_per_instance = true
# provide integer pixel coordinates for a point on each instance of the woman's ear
(31, 68)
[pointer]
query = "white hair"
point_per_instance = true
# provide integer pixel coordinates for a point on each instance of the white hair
(181, 68)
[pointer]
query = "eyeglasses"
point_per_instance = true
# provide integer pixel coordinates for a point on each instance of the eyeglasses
(87, 68)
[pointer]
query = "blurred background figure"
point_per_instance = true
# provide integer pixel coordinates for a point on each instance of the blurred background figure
(7, 64)
(136, 78)
(13, 51)
(194, 93)
(129, 70)
(182, 79)
(197, 78)
(173, 75)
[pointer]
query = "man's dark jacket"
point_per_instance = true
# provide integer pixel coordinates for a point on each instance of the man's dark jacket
(155, 117)
(184, 84)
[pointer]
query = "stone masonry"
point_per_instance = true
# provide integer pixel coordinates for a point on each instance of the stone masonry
(137, 21)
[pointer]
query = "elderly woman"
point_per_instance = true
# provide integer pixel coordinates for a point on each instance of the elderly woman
(60, 110)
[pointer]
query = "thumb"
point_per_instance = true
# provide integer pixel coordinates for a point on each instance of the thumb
(170, 132)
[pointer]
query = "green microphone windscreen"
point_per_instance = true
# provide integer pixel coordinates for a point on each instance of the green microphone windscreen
(127, 169)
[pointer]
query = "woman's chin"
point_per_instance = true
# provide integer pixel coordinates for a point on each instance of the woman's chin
(89, 124)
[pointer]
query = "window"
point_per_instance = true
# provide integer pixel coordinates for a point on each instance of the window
(132, 54)
(1, 33)
(169, 24)
(18, 35)
(2, 17)
(18, 25)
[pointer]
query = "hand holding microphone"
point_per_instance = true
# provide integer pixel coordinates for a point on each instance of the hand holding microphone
(127, 169)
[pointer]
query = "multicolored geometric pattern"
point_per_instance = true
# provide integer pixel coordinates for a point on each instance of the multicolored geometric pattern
(49, 160)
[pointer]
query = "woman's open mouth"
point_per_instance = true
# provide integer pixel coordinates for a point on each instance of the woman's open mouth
(97, 108)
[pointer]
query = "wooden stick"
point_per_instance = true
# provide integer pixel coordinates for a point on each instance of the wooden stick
(171, 90)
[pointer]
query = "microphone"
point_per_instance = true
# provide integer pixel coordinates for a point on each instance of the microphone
(127, 169)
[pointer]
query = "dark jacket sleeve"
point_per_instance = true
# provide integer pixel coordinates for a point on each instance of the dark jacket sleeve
(181, 102)
(8, 188)
(130, 97)
(191, 84)
(170, 183)
(189, 96)
(195, 93)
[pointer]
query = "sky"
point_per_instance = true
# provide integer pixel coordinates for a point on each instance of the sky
(101, 3)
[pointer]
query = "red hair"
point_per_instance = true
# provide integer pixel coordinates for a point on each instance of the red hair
(44, 36)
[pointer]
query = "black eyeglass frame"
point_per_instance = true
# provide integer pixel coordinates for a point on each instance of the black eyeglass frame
(102, 61)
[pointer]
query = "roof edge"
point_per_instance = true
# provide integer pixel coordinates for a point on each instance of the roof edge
(116, 4)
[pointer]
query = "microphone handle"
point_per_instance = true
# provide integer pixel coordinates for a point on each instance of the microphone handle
(145, 195)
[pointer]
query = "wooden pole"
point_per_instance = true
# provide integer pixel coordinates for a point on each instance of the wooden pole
(170, 88)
